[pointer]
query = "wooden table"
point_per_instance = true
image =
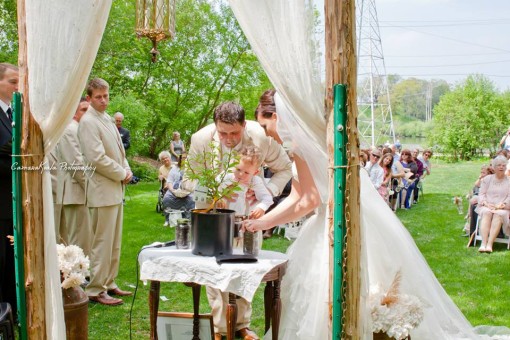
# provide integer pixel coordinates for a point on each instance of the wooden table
(272, 302)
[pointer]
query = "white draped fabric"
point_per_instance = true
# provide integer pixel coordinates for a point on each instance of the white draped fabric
(63, 37)
(280, 35)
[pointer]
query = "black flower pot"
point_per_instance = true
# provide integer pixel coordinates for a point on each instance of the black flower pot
(212, 233)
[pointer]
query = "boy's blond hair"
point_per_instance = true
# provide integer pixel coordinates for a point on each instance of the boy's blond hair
(251, 154)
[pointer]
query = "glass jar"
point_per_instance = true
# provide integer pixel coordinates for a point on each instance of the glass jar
(237, 241)
(183, 234)
(252, 241)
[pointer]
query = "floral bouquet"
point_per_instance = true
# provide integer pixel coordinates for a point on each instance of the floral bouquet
(393, 313)
(73, 265)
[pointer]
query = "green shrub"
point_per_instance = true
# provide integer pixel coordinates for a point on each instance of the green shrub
(144, 171)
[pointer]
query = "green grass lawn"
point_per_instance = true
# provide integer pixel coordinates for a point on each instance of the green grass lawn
(476, 282)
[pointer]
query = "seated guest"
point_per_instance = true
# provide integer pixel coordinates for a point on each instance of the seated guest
(397, 174)
(494, 204)
(394, 152)
(176, 198)
(363, 158)
(164, 169)
(410, 168)
(425, 159)
(386, 162)
(375, 171)
(472, 216)
(419, 174)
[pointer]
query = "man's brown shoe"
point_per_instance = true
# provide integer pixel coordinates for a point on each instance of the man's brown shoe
(105, 299)
(217, 336)
(119, 292)
(247, 334)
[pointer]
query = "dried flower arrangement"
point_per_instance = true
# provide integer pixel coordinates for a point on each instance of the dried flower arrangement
(393, 313)
(73, 265)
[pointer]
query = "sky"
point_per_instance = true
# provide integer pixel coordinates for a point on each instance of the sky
(446, 39)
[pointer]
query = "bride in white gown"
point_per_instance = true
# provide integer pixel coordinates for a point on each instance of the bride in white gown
(281, 34)
(387, 247)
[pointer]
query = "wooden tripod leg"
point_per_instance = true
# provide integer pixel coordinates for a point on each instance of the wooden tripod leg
(196, 304)
(277, 307)
(231, 316)
(153, 308)
(268, 304)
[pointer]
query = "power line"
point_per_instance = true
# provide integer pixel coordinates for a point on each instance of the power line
(446, 55)
(450, 25)
(458, 40)
(454, 65)
(449, 20)
(452, 74)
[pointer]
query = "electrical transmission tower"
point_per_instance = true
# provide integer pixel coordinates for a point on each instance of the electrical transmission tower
(375, 119)
(428, 103)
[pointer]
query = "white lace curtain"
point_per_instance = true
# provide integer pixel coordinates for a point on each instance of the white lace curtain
(281, 34)
(63, 37)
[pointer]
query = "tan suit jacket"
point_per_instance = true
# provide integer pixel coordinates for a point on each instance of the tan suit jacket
(56, 190)
(71, 180)
(102, 149)
(272, 153)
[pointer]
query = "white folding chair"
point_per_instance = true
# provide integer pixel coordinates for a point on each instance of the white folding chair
(478, 237)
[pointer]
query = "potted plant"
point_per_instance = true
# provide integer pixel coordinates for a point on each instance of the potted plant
(212, 228)
(74, 268)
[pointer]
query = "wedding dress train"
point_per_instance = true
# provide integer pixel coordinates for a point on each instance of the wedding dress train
(388, 248)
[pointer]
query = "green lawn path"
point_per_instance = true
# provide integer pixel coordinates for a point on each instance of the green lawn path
(478, 283)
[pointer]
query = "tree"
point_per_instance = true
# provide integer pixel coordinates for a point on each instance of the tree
(9, 32)
(469, 119)
(208, 61)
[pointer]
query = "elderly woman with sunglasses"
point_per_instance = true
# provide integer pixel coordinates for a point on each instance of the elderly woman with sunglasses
(494, 204)
(411, 169)
(375, 171)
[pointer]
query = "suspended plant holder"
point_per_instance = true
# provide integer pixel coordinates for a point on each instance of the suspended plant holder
(155, 20)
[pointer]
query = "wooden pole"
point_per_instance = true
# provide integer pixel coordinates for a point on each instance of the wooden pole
(340, 28)
(32, 152)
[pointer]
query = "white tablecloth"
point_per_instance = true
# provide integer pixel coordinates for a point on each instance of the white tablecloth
(175, 265)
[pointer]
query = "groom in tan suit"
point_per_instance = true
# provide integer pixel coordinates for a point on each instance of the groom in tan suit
(71, 184)
(102, 149)
(231, 131)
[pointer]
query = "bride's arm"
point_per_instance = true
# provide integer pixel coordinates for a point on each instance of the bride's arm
(303, 199)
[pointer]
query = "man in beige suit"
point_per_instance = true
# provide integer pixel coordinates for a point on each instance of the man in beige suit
(231, 131)
(58, 210)
(71, 184)
(102, 150)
